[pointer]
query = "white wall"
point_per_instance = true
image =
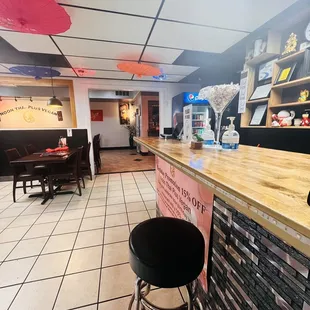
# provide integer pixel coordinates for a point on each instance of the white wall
(166, 92)
(113, 134)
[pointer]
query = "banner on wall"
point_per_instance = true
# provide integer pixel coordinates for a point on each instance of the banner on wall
(181, 197)
(35, 114)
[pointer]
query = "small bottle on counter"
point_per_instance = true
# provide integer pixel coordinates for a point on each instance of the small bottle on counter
(230, 139)
(208, 134)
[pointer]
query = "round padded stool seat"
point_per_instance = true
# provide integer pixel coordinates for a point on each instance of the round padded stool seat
(166, 252)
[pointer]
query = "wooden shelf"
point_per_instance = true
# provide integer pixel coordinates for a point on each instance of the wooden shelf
(260, 58)
(292, 127)
(253, 127)
(296, 56)
(257, 101)
(290, 104)
(294, 83)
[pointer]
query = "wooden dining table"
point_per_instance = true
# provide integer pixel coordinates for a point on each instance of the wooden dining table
(48, 160)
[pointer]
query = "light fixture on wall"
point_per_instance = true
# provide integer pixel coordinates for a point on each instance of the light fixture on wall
(54, 102)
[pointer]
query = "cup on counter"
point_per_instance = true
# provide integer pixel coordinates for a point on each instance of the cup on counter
(297, 121)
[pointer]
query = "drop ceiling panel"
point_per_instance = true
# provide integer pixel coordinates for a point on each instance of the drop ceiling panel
(170, 78)
(174, 69)
(89, 48)
(137, 7)
(113, 75)
(34, 43)
(108, 26)
(4, 69)
(161, 55)
(192, 37)
(93, 63)
(245, 15)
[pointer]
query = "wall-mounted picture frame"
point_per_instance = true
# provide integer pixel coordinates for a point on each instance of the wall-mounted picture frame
(265, 70)
(261, 92)
(285, 73)
(258, 115)
(124, 117)
(96, 115)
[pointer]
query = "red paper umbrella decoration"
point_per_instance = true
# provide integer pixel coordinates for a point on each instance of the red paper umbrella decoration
(34, 16)
(138, 69)
(84, 72)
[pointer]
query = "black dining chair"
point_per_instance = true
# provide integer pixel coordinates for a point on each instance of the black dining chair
(70, 171)
(96, 147)
(20, 173)
(30, 149)
(85, 162)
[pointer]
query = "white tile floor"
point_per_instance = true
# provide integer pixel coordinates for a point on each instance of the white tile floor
(73, 251)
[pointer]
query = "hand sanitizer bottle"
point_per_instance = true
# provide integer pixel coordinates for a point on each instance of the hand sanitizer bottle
(230, 139)
(208, 134)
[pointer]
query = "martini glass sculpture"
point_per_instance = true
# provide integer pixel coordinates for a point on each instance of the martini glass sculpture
(219, 97)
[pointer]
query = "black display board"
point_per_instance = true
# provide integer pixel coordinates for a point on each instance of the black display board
(42, 139)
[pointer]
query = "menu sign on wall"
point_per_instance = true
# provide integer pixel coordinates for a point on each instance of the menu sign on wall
(182, 197)
(35, 114)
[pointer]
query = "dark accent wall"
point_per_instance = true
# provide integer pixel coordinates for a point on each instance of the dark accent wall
(41, 139)
(287, 139)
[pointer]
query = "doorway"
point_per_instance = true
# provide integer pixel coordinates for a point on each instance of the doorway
(117, 116)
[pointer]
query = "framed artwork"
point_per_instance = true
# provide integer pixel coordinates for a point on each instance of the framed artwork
(124, 118)
(285, 73)
(265, 70)
(96, 115)
(261, 92)
(258, 115)
(60, 116)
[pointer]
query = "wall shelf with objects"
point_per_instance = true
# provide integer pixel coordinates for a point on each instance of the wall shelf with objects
(287, 85)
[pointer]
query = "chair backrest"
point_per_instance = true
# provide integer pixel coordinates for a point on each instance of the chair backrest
(87, 153)
(30, 149)
(12, 154)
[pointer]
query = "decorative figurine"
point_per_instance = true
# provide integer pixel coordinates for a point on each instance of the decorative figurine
(305, 119)
(283, 118)
(304, 94)
(291, 44)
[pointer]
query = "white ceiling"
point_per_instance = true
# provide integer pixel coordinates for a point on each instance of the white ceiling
(103, 32)
(136, 7)
(246, 15)
(26, 42)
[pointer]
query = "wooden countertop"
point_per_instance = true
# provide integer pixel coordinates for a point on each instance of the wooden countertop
(274, 182)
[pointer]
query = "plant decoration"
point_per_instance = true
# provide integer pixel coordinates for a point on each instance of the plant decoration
(131, 130)
(198, 138)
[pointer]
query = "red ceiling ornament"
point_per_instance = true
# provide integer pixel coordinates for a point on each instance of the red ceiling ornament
(84, 72)
(138, 69)
(34, 16)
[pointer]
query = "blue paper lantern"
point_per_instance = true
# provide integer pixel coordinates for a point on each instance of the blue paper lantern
(36, 72)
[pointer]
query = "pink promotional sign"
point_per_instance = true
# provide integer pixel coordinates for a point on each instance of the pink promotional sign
(182, 197)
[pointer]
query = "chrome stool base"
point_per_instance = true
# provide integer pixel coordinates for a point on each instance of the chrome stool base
(142, 289)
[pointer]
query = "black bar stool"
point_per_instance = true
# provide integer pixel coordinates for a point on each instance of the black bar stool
(167, 253)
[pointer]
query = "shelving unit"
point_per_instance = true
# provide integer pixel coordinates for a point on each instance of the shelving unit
(275, 102)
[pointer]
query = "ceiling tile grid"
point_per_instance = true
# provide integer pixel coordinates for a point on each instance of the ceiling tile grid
(108, 26)
(136, 7)
(103, 33)
(33, 43)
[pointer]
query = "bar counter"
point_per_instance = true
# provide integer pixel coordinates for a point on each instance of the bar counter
(260, 236)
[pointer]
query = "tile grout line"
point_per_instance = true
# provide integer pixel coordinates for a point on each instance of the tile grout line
(39, 253)
(68, 274)
(77, 234)
(102, 251)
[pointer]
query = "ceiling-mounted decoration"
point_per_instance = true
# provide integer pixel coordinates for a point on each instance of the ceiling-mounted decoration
(36, 72)
(139, 69)
(84, 72)
(35, 16)
(160, 77)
